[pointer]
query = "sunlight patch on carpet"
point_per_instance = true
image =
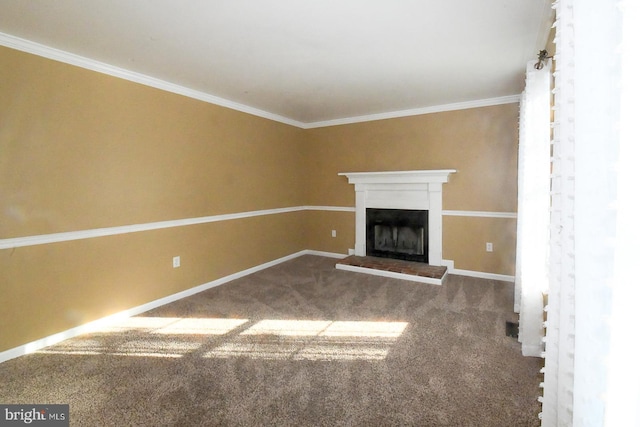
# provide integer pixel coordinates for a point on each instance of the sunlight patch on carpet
(176, 325)
(141, 347)
(270, 339)
(322, 340)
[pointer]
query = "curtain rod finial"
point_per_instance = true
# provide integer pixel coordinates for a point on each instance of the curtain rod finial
(543, 55)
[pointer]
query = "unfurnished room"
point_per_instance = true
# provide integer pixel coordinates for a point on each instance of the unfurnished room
(293, 213)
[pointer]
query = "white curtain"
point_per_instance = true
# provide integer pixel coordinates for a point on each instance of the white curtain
(591, 373)
(557, 399)
(532, 248)
(623, 381)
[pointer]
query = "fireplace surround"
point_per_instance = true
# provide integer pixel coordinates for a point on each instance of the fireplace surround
(409, 190)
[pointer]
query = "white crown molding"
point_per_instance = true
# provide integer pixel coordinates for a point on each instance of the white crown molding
(44, 51)
(510, 99)
(101, 67)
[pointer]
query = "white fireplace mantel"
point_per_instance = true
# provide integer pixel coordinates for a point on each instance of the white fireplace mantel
(421, 189)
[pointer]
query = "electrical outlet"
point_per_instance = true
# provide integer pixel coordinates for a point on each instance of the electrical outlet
(176, 261)
(489, 247)
(333, 233)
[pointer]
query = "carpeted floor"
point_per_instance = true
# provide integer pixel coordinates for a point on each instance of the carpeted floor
(299, 344)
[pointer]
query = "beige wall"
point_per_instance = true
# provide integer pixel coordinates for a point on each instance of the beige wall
(319, 225)
(84, 150)
(54, 287)
(80, 150)
(480, 143)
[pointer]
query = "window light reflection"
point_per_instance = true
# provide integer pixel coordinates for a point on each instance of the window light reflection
(327, 328)
(177, 325)
(270, 339)
(137, 347)
(159, 337)
(325, 340)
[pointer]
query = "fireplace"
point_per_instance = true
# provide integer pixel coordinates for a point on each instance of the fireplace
(401, 190)
(398, 233)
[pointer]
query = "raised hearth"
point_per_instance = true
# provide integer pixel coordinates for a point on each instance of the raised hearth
(394, 268)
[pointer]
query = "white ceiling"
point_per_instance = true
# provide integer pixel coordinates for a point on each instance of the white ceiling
(305, 62)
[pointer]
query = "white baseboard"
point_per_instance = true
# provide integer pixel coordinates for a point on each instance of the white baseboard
(479, 274)
(324, 254)
(109, 320)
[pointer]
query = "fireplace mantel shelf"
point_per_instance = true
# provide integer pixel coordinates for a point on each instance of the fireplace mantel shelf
(399, 177)
(416, 189)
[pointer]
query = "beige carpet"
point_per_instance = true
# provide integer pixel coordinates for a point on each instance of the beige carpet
(299, 344)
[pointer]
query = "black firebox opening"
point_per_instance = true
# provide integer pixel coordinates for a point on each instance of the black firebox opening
(398, 233)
